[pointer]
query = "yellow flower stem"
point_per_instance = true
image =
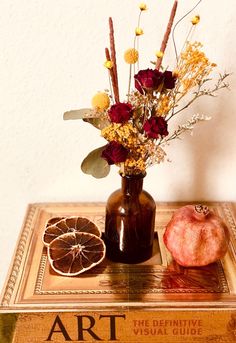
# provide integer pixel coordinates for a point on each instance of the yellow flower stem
(139, 20)
(137, 50)
(134, 70)
(136, 39)
(130, 76)
(135, 36)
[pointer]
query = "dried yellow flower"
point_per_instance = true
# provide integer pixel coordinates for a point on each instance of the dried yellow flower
(193, 67)
(108, 64)
(133, 166)
(187, 84)
(125, 134)
(100, 101)
(159, 54)
(195, 20)
(131, 56)
(164, 105)
(143, 6)
(138, 31)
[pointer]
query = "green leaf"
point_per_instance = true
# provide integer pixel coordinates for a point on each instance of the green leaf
(99, 123)
(89, 116)
(79, 114)
(95, 165)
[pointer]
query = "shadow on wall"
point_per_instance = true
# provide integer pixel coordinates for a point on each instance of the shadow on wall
(212, 148)
(203, 165)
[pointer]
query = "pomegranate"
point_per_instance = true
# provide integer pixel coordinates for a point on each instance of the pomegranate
(195, 236)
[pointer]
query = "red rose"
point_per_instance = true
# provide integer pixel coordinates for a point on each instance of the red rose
(169, 79)
(114, 153)
(155, 127)
(120, 112)
(148, 79)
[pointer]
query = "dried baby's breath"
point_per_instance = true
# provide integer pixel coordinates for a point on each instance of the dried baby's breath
(188, 126)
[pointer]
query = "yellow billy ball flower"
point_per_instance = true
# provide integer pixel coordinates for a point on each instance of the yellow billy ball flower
(131, 56)
(159, 54)
(195, 20)
(100, 101)
(108, 64)
(138, 31)
(143, 6)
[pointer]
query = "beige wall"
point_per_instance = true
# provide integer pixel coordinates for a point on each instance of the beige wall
(51, 60)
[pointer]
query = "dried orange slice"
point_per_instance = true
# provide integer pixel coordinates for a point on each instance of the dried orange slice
(69, 224)
(75, 252)
(53, 221)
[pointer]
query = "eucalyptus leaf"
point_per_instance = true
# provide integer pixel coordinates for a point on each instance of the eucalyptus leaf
(95, 165)
(79, 114)
(99, 123)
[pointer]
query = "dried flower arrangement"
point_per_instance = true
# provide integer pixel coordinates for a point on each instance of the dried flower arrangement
(137, 129)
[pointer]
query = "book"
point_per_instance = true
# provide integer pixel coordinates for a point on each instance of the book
(153, 301)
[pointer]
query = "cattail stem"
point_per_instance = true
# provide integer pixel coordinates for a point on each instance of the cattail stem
(113, 58)
(167, 34)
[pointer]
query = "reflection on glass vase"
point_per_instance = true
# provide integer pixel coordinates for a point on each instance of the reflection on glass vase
(130, 220)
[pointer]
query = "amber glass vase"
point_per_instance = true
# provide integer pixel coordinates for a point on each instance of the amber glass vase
(130, 220)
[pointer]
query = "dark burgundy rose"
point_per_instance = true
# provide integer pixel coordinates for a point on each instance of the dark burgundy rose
(120, 112)
(155, 127)
(148, 79)
(169, 79)
(114, 153)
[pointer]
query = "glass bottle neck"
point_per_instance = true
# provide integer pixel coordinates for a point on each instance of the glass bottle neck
(132, 185)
